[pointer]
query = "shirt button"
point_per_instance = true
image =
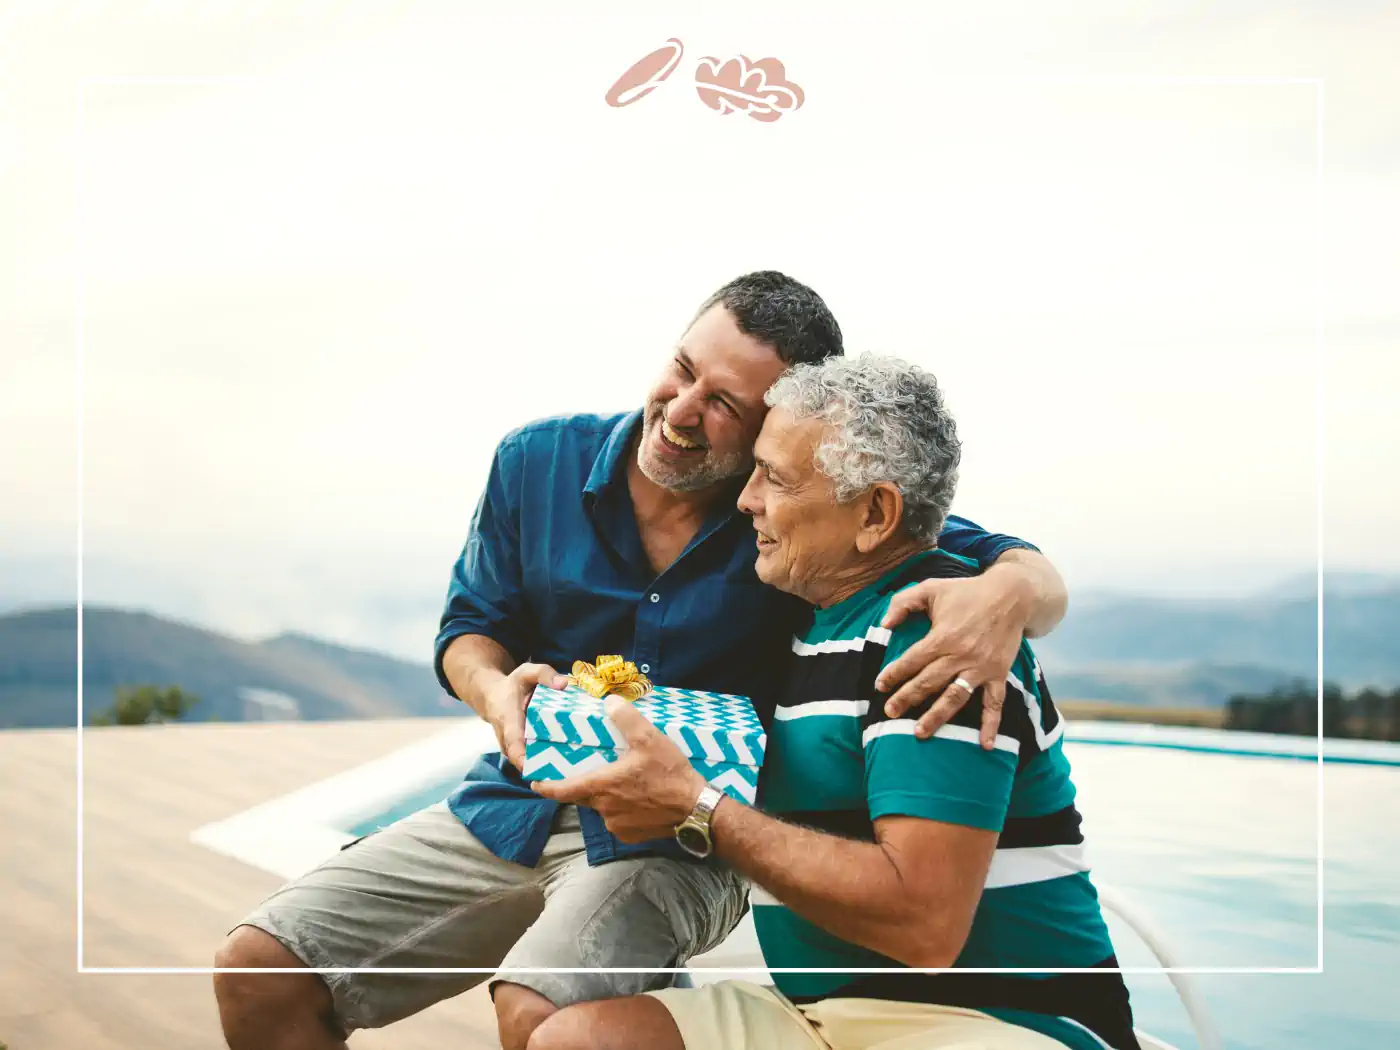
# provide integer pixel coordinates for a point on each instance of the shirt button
(655, 597)
(646, 668)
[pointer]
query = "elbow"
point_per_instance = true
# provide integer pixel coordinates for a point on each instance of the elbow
(925, 958)
(928, 946)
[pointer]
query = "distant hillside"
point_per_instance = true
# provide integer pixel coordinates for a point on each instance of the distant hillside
(1189, 686)
(1114, 647)
(1252, 637)
(38, 676)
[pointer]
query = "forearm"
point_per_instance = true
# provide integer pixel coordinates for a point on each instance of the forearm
(473, 663)
(851, 889)
(1036, 588)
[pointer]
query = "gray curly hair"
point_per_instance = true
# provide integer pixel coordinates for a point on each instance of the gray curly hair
(887, 422)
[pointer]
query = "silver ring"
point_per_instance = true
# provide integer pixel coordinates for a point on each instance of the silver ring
(964, 683)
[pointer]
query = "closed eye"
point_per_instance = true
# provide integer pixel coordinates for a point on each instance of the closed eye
(733, 412)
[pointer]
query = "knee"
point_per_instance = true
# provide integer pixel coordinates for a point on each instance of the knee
(519, 1012)
(240, 994)
(248, 948)
(566, 1029)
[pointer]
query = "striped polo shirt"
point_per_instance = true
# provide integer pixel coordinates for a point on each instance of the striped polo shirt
(835, 762)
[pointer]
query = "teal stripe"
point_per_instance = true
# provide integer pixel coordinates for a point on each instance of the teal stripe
(938, 779)
(1056, 923)
(814, 763)
(788, 940)
(1043, 786)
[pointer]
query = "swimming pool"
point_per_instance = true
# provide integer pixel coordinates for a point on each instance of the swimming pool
(1218, 847)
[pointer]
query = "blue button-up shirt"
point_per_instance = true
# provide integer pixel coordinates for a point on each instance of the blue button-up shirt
(554, 571)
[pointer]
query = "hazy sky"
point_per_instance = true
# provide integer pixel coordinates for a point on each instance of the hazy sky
(316, 295)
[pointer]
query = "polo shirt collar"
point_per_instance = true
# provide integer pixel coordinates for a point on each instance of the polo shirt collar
(610, 470)
(610, 465)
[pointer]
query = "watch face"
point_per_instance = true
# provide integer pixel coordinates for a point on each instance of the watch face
(693, 840)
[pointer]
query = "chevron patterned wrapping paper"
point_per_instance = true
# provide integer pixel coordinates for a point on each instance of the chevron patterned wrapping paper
(566, 733)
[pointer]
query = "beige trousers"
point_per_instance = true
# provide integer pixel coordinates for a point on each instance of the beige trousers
(738, 1015)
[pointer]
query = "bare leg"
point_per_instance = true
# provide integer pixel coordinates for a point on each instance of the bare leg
(638, 1022)
(519, 1011)
(271, 1011)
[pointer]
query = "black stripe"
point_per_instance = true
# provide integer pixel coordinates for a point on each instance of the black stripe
(845, 823)
(1097, 1001)
(831, 676)
(1060, 828)
(1049, 713)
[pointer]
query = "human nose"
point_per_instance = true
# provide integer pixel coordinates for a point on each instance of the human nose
(749, 501)
(684, 409)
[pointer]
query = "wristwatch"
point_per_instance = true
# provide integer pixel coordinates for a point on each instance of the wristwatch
(693, 833)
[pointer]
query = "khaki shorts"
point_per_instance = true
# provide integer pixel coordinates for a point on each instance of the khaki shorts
(737, 1015)
(424, 892)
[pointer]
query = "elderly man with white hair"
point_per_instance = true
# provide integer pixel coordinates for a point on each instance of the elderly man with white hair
(872, 846)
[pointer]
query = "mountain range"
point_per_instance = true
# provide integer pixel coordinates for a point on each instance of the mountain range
(1125, 648)
(1236, 645)
(290, 674)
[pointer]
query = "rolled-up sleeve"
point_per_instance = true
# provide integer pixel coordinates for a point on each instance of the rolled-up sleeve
(970, 540)
(486, 596)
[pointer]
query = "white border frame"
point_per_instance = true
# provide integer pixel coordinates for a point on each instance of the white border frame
(1319, 86)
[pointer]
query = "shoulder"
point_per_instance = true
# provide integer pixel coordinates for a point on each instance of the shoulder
(552, 434)
(936, 564)
(932, 565)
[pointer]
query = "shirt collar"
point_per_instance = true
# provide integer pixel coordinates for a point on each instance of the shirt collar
(610, 469)
(610, 465)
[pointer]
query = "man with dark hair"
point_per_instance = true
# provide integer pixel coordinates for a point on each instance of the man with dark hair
(597, 534)
(783, 313)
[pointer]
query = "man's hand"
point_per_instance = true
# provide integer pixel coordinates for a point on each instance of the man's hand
(977, 626)
(650, 789)
(505, 703)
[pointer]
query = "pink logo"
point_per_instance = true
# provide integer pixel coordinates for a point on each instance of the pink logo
(736, 85)
(732, 85)
(646, 74)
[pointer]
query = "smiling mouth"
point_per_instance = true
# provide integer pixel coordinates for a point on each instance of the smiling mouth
(764, 543)
(676, 440)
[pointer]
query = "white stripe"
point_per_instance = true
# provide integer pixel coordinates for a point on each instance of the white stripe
(1017, 867)
(552, 757)
(706, 736)
(1042, 741)
(741, 750)
(905, 727)
(1010, 867)
(732, 778)
(552, 729)
(673, 732)
(1059, 729)
(822, 707)
(584, 733)
(878, 635)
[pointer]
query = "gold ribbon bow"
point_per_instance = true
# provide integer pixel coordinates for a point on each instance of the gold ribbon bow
(612, 674)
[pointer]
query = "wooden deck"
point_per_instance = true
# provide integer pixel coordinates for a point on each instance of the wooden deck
(153, 898)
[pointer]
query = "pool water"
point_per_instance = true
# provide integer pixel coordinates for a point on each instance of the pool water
(410, 803)
(1220, 850)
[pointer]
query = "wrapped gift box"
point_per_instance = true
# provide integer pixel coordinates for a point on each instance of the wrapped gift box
(567, 733)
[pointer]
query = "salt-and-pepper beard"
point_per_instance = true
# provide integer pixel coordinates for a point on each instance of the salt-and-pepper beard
(686, 477)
